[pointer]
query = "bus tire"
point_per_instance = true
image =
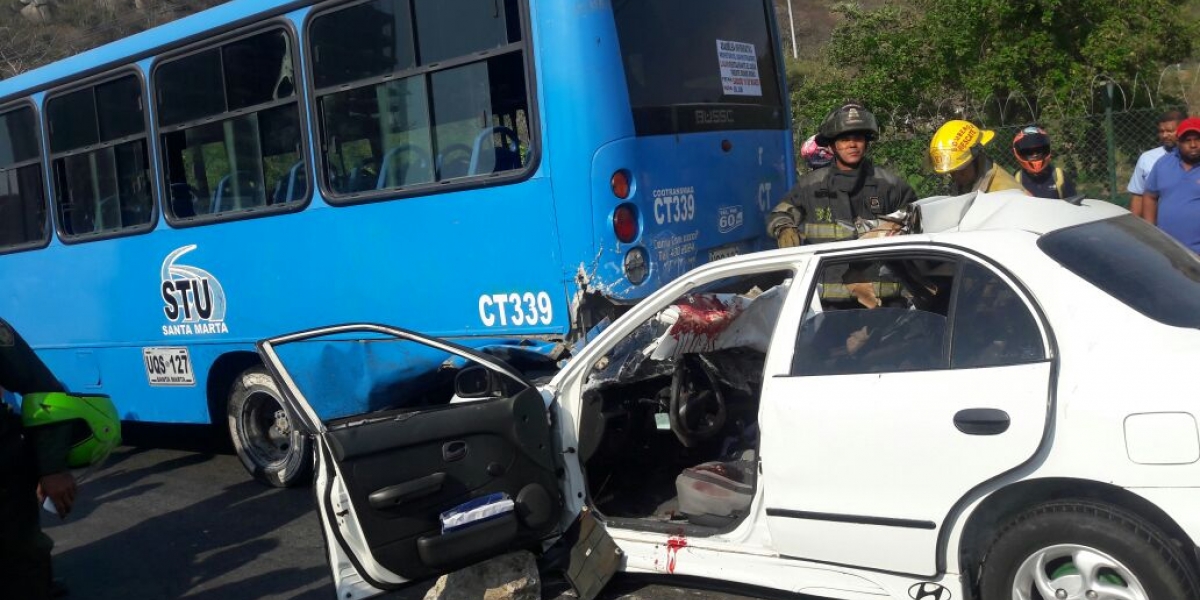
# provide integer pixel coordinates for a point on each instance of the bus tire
(263, 432)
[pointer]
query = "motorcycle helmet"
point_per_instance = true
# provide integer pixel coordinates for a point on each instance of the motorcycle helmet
(956, 144)
(1031, 146)
(814, 154)
(96, 426)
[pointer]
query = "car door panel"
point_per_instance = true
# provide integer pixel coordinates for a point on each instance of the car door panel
(877, 463)
(386, 477)
(863, 465)
(498, 450)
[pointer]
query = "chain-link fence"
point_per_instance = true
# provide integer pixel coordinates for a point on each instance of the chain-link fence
(1098, 150)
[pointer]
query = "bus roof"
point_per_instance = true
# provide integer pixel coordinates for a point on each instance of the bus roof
(142, 45)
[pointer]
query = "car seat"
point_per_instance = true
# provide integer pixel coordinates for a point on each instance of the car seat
(716, 494)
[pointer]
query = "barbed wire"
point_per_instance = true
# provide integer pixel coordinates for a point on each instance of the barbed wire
(1174, 86)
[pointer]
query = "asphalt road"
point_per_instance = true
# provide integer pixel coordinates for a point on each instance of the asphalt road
(175, 516)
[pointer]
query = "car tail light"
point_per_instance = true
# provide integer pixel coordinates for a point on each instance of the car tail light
(621, 186)
(625, 223)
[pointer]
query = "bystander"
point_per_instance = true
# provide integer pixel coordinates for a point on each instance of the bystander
(1172, 196)
(1167, 124)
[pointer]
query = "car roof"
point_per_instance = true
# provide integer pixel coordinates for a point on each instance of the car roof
(1008, 210)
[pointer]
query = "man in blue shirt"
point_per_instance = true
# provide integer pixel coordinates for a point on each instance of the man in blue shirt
(1167, 124)
(1172, 196)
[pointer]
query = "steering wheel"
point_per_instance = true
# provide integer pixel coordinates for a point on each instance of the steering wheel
(454, 161)
(697, 409)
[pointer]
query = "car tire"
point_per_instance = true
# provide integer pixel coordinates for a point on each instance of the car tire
(264, 432)
(1048, 543)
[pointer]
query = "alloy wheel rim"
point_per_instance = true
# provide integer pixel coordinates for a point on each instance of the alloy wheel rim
(1075, 572)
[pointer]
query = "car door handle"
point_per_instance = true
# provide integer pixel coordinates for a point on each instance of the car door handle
(982, 421)
(452, 451)
(393, 495)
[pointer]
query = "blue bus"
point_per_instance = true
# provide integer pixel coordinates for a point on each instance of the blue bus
(507, 173)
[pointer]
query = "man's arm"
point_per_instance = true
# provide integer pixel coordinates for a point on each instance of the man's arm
(784, 223)
(1135, 204)
(1150, 207)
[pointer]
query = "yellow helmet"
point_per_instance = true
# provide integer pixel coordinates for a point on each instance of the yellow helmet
(955, 145)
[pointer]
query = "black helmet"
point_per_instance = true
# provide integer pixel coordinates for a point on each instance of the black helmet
(850, 118)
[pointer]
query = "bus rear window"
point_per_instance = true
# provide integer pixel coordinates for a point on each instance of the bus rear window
(1135, 263)
(699, 65)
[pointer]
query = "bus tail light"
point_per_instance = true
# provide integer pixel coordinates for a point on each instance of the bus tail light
(637, 265)
(625, 223)
(621, 187)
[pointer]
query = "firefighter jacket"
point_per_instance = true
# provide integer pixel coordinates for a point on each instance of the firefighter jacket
(827, 206)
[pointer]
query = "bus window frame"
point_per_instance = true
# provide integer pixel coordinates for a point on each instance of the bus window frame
(525, 46)
(299, 97)
(94, 81)
(47, 206)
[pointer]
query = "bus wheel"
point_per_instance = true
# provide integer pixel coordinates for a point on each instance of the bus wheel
(263, 433)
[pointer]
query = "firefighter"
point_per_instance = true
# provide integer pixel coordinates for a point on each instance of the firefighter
(842, 202)
(54, 432)
(957, 150)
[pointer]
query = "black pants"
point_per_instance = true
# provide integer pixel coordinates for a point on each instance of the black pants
(24, 551)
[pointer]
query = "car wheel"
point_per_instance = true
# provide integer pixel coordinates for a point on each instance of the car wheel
(1084, 551)
(264, 434)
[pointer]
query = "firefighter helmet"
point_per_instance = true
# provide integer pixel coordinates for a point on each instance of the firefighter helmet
(956, 144)
(849, 118)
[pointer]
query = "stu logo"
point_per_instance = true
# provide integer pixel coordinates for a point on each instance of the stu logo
(193, 300)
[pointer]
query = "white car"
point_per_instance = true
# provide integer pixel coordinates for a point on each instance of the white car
(1013, 421)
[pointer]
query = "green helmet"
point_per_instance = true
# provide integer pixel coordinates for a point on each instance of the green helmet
(850, 118)
(97, 427)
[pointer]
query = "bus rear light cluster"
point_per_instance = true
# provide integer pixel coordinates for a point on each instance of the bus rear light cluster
(637, 265)
(621, 186)
(625, 223)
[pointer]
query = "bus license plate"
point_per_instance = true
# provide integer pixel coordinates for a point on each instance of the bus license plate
(723, 252)
(168, 366)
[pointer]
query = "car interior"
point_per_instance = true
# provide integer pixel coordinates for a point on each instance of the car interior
(669, 431)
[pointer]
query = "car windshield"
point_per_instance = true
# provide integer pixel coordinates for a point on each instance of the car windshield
(1135, 263)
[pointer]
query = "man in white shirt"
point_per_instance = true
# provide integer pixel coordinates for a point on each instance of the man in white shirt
(1167, 124)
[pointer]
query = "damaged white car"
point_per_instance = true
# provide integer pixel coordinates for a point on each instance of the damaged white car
(1004, 415)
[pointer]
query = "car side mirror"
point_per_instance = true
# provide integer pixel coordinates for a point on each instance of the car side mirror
(476, 382)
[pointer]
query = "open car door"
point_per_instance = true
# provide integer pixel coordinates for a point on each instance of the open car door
(429, 456)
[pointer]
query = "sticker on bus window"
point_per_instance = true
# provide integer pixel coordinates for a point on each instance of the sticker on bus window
(168, 366)
(739, 69)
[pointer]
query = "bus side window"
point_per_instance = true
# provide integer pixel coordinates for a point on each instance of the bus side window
(230, 127)
(22, 199)
(421, 125)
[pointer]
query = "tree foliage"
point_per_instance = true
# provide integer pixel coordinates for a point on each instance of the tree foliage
(926, 52)
(61, 28)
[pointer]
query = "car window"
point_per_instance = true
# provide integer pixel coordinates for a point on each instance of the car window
(1135, 263)
(898, 314)
(876, 316)
(992, 326)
